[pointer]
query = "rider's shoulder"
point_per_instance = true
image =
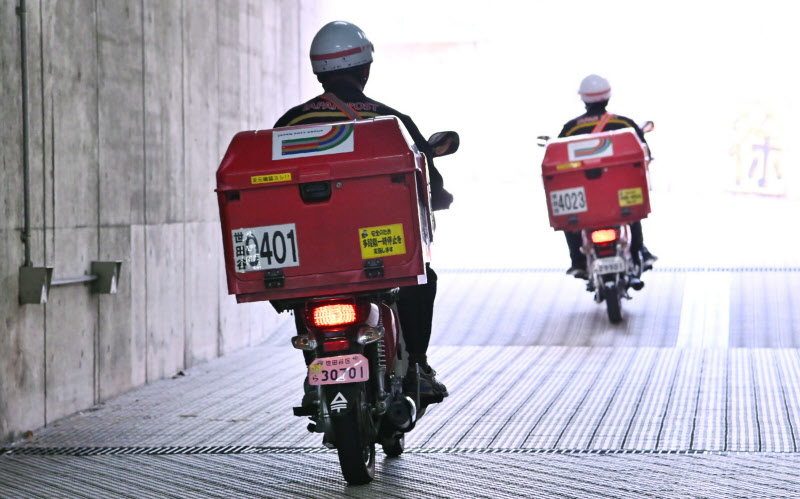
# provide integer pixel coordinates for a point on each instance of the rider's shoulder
(621, 117)
(290, 115)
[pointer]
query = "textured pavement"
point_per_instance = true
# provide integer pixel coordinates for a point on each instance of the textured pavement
(547, 399)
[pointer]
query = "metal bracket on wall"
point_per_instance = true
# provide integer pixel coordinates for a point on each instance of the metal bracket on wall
(35, 282)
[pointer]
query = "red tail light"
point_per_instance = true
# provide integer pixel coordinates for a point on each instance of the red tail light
(336, 314)
(336, 345)
(604, 236)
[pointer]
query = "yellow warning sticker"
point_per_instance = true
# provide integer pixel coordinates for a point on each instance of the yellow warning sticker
(384, 240)
(269, 179)
(630, 197)
(567, 166)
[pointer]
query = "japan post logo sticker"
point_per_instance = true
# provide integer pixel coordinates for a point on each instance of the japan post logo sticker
(590, 149)
(314, 141)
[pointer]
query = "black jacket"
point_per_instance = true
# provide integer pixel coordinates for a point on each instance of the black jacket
(319, 110)
(586, 122)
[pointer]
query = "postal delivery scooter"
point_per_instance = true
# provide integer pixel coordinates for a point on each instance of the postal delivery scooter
(354, 349)
(330, 221)
(612, 269)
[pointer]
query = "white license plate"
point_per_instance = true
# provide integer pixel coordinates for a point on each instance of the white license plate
(611, 265)
(342, 369)
(269, 247)
(567, 201)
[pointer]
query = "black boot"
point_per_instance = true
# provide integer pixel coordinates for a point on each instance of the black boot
(429, 386)
(648, 259)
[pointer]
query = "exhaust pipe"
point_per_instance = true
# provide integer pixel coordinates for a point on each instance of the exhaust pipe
(402, 413)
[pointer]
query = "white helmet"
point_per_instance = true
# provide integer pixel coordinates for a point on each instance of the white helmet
(339, 45)
(594, 89)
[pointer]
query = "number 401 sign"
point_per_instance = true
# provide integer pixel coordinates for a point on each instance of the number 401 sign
(270, 247)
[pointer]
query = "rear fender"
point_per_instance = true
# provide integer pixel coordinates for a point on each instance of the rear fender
(342, 399)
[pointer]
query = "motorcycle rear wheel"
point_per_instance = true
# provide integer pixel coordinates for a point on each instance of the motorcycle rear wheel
(355, 443)
(613, 303)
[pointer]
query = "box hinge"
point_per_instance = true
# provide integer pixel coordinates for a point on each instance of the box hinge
(374, 267)
(273, 278)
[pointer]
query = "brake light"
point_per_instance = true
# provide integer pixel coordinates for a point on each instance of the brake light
(604, 236)
(337, 314)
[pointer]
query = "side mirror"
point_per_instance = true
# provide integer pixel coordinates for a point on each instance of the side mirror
(444, 143)
(648, 127)
(542, 140)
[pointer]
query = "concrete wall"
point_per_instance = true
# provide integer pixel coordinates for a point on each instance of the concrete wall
(132, 105)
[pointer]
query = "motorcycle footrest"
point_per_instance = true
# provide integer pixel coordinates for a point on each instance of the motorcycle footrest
(304, 411)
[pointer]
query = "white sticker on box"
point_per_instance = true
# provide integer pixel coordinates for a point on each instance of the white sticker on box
(567, 201)
(590, 149)
(269, 247)
(314, 141)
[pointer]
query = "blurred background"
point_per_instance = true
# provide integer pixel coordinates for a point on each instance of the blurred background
(717, 81)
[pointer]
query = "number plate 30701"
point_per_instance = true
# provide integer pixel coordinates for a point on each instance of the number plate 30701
(351, 368)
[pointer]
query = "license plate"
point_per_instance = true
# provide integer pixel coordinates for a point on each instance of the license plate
(611, 265)
(351, 368)
(268, 247)
(568, 201)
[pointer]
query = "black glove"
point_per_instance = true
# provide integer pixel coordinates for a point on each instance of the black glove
(441, 200)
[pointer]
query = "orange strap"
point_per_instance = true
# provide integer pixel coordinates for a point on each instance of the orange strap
(342, 105)
(602, 123)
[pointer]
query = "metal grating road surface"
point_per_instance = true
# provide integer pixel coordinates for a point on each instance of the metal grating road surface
(547, 399)
(416, 475)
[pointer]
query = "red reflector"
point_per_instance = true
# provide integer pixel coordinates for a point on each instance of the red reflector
(337, 314)
(336, 345)
(604, 236)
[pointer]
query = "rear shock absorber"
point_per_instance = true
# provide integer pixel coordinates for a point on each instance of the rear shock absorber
(380, 348)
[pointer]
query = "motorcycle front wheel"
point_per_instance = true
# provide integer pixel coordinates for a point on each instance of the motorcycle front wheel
(613, 300)
(355, 443)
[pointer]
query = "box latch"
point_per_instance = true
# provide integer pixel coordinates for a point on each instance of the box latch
(273, 278)
(374, 267)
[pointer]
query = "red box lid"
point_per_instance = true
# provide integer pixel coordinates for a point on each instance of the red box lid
(315, 153)
(593, 151)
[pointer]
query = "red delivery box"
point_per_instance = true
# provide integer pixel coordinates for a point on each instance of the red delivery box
(325, 209)
(596, 180)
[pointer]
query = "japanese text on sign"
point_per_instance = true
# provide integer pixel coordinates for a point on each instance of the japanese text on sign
(381, 241)
(630, 197)
(268, 179)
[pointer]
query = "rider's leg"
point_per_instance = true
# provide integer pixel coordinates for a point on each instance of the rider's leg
(578, 259)
(416, 319)
(637, 245)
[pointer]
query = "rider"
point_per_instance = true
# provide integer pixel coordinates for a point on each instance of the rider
(595, 91)
(341, 56)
